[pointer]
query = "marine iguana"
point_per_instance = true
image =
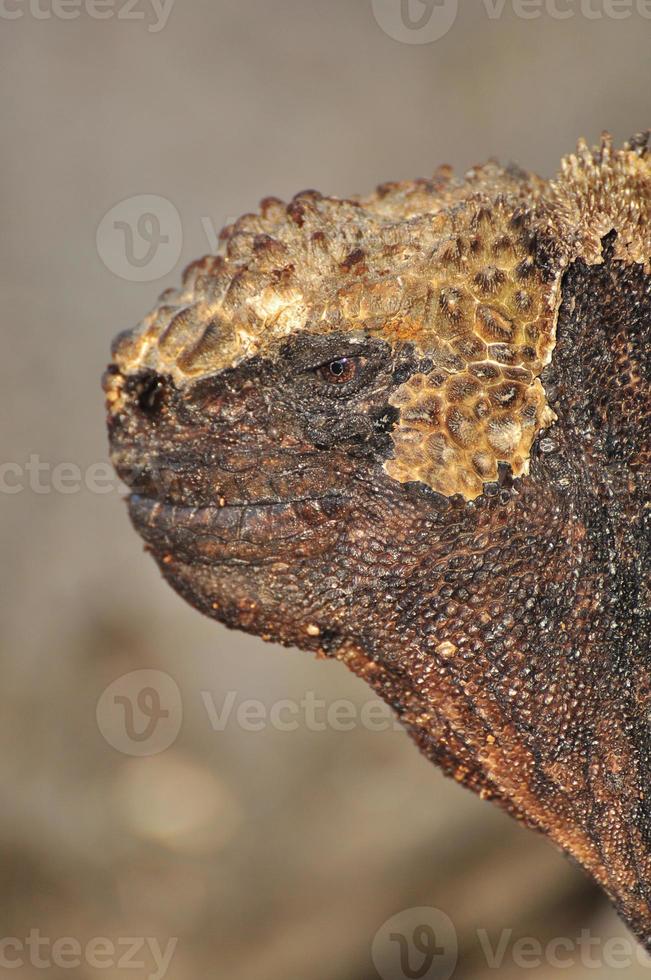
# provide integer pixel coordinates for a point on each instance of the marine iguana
(411, 431)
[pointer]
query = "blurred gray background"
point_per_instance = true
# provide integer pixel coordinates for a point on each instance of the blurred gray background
(266, 854)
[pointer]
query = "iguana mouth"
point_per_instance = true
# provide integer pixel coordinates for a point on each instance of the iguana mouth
(222, 531)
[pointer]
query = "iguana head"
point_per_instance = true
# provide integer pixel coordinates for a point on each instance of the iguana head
(412, 430)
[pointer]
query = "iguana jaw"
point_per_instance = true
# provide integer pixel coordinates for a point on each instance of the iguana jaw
(256, 532)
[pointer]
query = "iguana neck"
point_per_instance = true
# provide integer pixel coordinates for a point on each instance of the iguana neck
(515, 644)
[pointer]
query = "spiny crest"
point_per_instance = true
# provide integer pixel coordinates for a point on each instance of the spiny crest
(468, 272)
(603, 190)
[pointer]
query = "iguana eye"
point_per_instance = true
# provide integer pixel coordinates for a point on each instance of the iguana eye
(339, 371)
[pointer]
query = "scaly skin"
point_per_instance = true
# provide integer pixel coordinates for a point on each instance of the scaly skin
(412, 432)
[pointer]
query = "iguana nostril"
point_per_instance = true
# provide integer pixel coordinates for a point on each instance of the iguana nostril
(150, 391)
